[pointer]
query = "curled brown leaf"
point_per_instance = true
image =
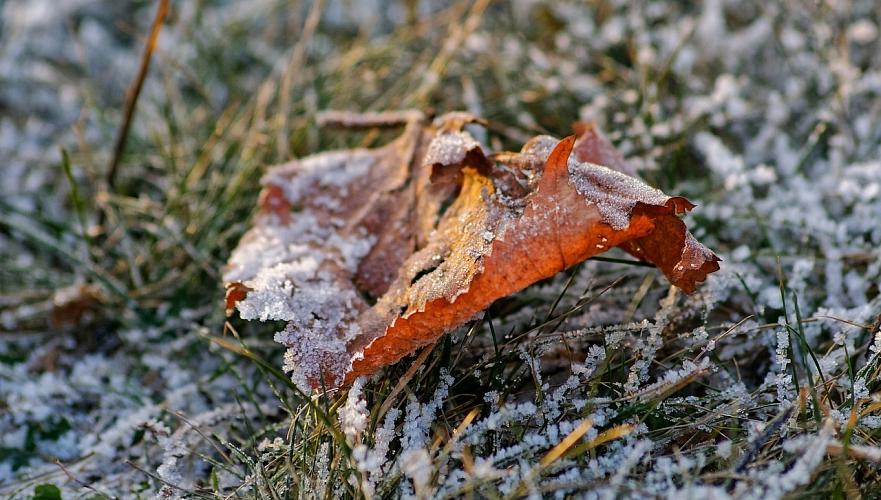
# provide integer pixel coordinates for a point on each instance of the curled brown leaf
(370, 254)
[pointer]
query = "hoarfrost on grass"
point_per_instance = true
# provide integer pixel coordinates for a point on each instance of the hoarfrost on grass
(772, 132)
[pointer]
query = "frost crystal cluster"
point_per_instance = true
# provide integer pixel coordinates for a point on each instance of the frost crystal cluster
(601, 382)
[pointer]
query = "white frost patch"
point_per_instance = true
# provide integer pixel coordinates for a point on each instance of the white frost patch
(540, 147)
(300, 273)
(354, 415)
(278, 292)
(863, 31)
(811, 452)
(450, 148)
(614, 194)
(723, 161)
(337, 169)
(271, 244)
(316, 352)
(416, 464)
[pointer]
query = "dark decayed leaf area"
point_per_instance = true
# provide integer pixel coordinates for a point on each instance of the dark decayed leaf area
(370, 254)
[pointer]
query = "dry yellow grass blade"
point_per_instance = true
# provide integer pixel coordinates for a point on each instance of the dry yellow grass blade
(567, 442)
(457, 432)
(466, 422)
(392, 397)
(604, 437)
(858, 452)
(611, 435)
(871, 409)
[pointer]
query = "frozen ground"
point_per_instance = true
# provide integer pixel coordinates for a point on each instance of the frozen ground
(118, 378)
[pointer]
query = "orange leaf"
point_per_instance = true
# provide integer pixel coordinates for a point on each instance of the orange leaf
(372, 254)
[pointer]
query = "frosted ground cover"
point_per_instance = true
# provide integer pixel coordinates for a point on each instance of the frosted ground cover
(766, 114)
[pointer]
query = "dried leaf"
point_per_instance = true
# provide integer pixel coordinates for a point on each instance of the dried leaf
(72, 303)
(370, 254)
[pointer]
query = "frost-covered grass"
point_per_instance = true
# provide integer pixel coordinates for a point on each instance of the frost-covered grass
(602, 382)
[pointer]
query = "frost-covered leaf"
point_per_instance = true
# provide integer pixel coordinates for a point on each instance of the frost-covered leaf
(72, 303)
(369, 254)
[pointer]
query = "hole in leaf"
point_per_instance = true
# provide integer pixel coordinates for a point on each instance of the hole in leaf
(422, 273)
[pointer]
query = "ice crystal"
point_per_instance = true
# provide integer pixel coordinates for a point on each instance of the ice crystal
(763, 115)
(354, 415)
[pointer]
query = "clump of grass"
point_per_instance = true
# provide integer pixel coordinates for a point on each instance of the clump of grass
(601, 380)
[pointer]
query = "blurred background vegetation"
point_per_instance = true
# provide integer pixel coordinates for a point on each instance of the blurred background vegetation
(115, 348)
